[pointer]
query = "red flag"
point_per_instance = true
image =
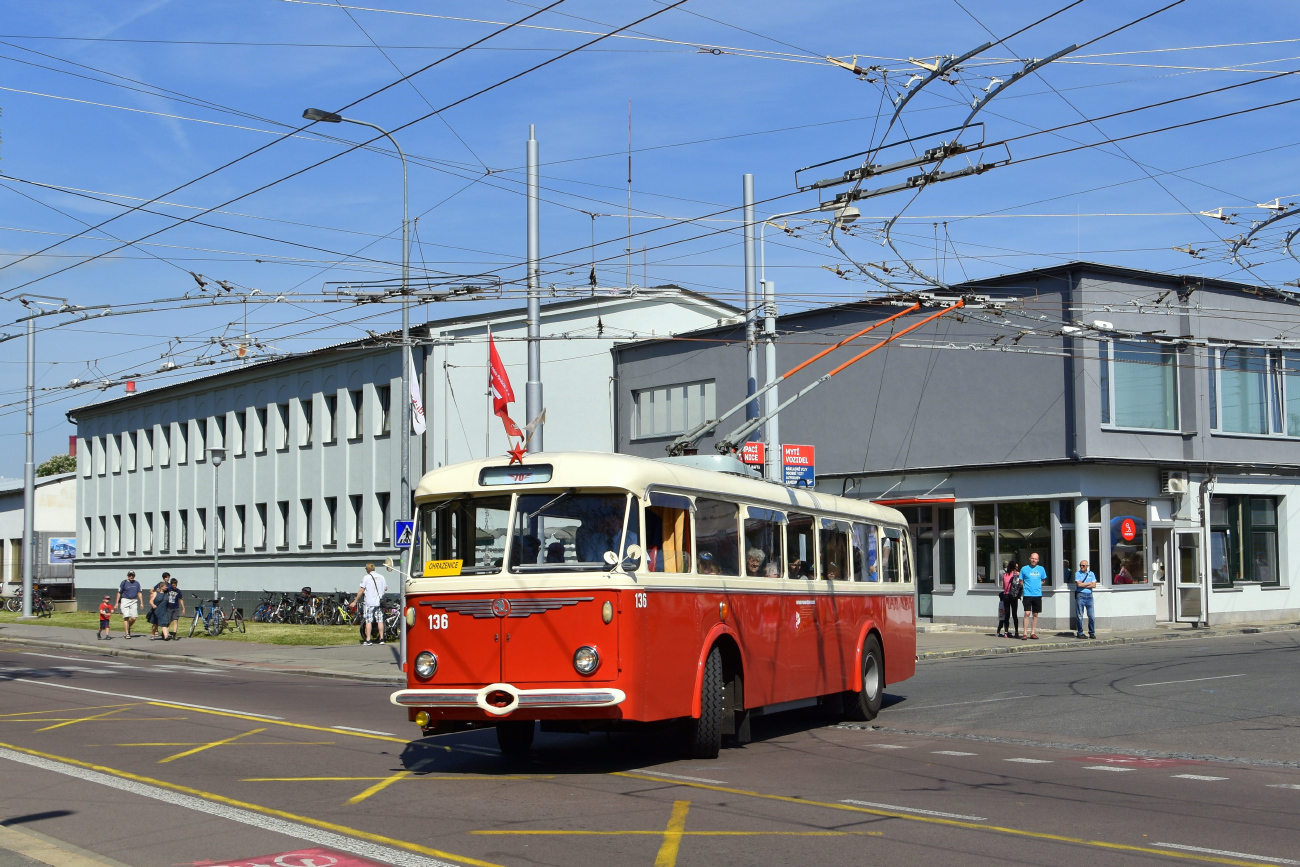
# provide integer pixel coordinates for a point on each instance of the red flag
(502, 393)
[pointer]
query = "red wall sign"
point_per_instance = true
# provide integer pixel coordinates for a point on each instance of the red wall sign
(1128, 529)
(754, 453)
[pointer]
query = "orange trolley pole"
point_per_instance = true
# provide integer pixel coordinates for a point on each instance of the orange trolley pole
(728, 443)
(690, 437)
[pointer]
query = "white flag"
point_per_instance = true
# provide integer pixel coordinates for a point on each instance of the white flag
(417, 405)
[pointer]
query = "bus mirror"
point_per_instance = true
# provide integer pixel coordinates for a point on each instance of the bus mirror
(388, 563)
(611, 559)
(633, 552)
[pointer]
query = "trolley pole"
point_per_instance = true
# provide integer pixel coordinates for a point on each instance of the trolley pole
(751, 301)
(533, 389)
(771, 400)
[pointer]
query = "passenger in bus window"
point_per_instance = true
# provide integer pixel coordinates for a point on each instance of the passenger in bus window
(754, 560)
(707, 565)
(555, 552)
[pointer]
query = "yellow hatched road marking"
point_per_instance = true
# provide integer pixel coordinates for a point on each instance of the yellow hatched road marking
(951, 823)
(208, 746)
(66, 709)
(683, 833)
(293, 725)
(94, 719)
(258, 808)
(667, 856)
(242, 744)
(413, 778)
(81, 719)
(385, 782)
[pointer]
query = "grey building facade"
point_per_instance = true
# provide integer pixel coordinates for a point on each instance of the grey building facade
(1148, 423)
(310, 486)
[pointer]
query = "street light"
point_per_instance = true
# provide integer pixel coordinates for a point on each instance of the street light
(217, 456)
(318, 115)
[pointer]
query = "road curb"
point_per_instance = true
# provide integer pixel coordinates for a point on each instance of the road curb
(128, 653)
(1076, 644)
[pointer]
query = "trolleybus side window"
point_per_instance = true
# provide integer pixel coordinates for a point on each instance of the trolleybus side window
(763, 531)
(668, 533)
(865, 567)
(834, 561)
(800, 545)
(716, 537)
(567, 531)
(892, 551)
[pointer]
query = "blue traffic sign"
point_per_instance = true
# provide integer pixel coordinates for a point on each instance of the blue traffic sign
(403, 534)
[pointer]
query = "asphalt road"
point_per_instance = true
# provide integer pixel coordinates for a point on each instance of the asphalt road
(1070, 758)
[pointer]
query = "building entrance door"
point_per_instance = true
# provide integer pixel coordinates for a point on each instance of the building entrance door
(1189, 590)
(1162, 572)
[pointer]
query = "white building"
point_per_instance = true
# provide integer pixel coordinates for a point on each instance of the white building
(310, 487)
(55, 526)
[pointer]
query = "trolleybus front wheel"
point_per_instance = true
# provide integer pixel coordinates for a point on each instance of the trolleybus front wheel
(515, 737)
(863, 706)
(704, 735)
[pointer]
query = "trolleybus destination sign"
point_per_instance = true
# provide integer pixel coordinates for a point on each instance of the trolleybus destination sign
(798, 464)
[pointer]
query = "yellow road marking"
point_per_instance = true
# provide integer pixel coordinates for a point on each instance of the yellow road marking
(244, 744)
(66, 709)
(294, 725)
(208, 746)
(414, 778)
(684, 833)
(91, 719)
(667, 856)
(385, 782)
(951, 823)
(258, 808)
(80, 719)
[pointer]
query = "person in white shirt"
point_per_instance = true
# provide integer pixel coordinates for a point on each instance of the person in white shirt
(371, 593)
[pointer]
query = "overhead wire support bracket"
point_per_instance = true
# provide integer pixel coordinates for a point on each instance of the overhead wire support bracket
(915, 182)
(872, 169)
(688, 440)
(732, 441)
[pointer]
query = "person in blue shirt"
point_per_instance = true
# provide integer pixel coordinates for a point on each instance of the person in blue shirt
(1085, 581)
(1033, 576)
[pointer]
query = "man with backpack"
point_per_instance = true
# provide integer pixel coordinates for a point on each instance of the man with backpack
(371, 594)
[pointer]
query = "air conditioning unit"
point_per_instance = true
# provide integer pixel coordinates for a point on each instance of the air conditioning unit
(1173, 482)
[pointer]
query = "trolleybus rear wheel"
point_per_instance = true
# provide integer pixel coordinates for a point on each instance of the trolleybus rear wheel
(704, 735)
(515, 737)
(863, 706)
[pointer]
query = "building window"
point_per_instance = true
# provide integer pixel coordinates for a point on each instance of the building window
(262, 436)
(182, 530)
(131, 537)
(331, 521)
(117, 535)
(672, 409)
(132, 450)
(146, 458)
(219, 435)
(1243, 540)
(200, 440)
(331, 419)
(1127, 541)
(100, 457)
(201, 530)
(165, 530)
(357, 426)
(240, 432)
(1139, 382)
(358, 528)
(282, 426)
(220, 529)
(1070, 565)
(1243, 390)
(304, 436)
(383, 401)
(102, 536)
(87, 461)
(182, 442)
(260, 531)
(1008, 533)
(165, 447)
(146, 542)
(282, 524)
(304, 523)
(240, 524)
(382, 534)
(115, 453)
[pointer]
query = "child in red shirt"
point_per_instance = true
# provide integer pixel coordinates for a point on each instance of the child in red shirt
(105, 612)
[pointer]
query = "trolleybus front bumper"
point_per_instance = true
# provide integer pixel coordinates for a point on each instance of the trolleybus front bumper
(499, 699)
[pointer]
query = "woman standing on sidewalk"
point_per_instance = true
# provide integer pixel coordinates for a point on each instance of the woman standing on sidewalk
(1010, 598)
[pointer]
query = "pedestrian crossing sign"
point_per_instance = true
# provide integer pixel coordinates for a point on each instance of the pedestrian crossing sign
(403, 533)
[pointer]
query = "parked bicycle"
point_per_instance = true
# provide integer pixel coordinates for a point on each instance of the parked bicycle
(235, 617)
(41, 604)
(209, 613)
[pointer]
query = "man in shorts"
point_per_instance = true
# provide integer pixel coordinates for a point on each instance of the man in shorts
(370, 594)
(128, 599)
(1033, 576)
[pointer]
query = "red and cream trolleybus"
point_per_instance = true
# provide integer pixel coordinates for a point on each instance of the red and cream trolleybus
(595, 591)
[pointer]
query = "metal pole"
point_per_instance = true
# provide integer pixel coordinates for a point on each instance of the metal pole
(216, 532)
(771, 399)
(29, 474)
(533, 389)
(751, 301)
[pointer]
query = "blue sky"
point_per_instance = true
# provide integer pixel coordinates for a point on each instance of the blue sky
(106, 105)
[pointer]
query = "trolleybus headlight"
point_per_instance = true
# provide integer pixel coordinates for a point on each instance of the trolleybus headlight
(426, 664)
(586, 659)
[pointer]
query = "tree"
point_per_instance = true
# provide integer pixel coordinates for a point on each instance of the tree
(58, 464)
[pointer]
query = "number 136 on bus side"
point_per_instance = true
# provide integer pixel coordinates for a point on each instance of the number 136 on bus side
(604, 592)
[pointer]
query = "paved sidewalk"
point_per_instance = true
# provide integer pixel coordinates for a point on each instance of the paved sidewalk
(378, 664)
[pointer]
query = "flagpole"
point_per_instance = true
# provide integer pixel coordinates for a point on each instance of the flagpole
(487, 424)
